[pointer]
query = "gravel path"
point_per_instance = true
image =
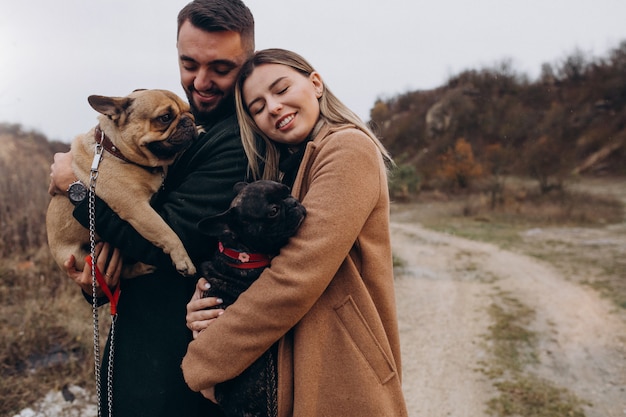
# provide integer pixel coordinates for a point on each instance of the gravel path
(443, 295)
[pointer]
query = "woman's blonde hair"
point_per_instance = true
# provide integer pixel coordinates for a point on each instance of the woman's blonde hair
(332, 111)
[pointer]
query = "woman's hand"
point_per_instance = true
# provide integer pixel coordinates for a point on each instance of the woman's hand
(199, 313)
(61, 174)
(108, 260)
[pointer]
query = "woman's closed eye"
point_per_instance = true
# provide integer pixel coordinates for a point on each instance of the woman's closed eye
(256, 108)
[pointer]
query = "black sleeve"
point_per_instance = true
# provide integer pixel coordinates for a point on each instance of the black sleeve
(100, 301)
(198, 185)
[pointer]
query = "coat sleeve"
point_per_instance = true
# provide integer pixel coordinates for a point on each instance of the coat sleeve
(200, 184)
(343, 183)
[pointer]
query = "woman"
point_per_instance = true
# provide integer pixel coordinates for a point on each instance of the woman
(328, 298)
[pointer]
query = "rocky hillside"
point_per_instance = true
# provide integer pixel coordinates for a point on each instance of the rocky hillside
(494, 122)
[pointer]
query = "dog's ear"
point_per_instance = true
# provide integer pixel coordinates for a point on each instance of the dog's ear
(112, 107)
(239, 186)
(215, 225)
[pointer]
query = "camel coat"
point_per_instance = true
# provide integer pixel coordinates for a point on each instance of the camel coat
(328, 297)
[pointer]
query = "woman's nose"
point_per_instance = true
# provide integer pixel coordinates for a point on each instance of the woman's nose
(274, 106)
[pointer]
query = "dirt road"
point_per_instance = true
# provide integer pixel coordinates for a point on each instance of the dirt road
(443, 293)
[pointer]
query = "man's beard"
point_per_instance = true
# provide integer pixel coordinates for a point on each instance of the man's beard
(224, 107)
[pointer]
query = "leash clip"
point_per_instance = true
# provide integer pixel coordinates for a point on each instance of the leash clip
(96, 158)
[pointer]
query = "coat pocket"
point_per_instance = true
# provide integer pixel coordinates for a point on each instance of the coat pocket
(364, 339)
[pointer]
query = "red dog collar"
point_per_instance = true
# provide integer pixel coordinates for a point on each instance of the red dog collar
(245, 260)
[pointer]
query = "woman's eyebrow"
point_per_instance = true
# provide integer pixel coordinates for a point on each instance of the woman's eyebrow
(279, 79)
(272, 85)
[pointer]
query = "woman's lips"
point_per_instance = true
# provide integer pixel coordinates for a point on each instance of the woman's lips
(284, 121)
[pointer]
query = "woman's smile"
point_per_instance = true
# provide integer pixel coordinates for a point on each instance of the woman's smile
(285, 121)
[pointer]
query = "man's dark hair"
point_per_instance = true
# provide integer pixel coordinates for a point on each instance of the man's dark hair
(219, 16)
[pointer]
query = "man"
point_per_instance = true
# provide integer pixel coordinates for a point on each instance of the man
(214, 39)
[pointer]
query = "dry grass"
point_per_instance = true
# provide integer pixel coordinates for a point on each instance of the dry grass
(46, 332)
(45, 324)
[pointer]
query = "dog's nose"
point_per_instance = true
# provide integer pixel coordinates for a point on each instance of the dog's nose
(185, 131)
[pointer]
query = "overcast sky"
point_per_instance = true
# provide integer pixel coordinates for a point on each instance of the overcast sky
(53, 54)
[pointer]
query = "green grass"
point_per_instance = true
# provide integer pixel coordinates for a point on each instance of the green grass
(513, 347)
(529, 396)
(512, 342)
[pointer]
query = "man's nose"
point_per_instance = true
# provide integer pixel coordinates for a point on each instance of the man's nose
(203, 80)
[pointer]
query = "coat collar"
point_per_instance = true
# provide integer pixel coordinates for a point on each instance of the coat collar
(323, 132)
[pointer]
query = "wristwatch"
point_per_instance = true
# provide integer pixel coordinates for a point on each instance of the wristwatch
(77, 192)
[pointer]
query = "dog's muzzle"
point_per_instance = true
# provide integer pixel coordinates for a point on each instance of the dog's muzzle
(181, 138)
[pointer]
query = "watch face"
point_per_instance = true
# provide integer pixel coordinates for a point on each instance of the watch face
(77, 192)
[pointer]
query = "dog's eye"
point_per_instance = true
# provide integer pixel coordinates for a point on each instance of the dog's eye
(274, 210)
(166, 118)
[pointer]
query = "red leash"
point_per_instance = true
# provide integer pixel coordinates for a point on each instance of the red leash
(112, 296)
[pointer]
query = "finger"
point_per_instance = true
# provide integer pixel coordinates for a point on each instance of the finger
(202, 283)
(201, 286)
(210, 302)
(199, 326)
(201, 315)
(104, 254)
(100, 253)
(113, 274)
(82, 278)
(115, 266)
(70, 263)
(87, 273)
(106, 264)
(70, 269)
(98, 250)
(202, 304)
(199, 321)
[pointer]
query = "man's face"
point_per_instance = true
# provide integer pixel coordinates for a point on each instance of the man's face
(209, 63)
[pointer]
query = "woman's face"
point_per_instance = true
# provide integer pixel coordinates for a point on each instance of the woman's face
(283, 102)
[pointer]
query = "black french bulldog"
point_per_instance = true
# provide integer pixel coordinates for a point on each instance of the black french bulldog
(260, 220)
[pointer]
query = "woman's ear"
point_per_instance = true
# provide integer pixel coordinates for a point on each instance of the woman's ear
(318, 84)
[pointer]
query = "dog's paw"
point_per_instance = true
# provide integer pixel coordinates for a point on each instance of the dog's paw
(183, 264)
(181, 261)
(187, 269)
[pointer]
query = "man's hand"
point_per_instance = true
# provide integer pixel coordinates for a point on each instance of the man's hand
(108, 260)
(61, 174)
(198, 317)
